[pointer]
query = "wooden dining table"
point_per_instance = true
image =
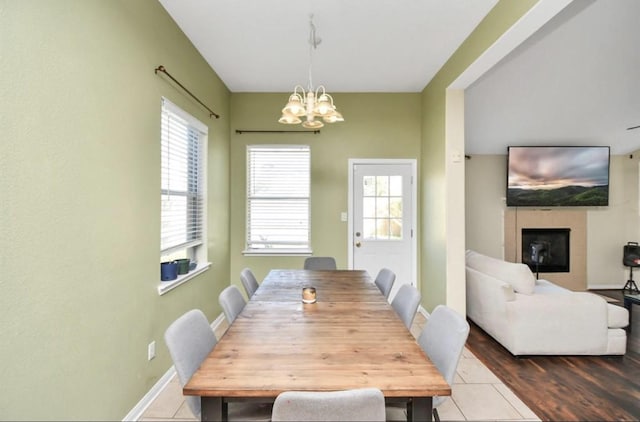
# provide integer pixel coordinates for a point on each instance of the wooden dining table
(350, 338)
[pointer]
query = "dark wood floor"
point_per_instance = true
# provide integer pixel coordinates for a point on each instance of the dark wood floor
(569, 388)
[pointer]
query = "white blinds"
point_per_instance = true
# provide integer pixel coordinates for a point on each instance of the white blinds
(278, 197)
(181, 188)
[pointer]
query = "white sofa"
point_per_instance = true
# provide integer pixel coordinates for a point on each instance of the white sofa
(536, 317)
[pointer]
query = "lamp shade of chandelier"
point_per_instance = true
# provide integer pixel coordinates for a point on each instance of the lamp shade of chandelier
(310, 103)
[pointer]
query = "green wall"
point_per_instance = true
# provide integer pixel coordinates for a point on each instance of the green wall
(79, 203)
(376, 126)
(433, 177)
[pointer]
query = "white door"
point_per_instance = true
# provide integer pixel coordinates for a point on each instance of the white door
(382, 218)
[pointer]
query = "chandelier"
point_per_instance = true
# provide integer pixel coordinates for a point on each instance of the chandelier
(310, 103)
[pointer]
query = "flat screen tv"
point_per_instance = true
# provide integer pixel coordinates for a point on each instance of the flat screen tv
(545, 176)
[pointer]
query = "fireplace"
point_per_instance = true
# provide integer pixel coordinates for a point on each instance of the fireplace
(546, 250)
(574, 221)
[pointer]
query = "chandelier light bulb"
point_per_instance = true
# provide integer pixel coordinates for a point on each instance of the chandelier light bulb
(289, 119)
(333, 117)
(312, 124)
(295, 106)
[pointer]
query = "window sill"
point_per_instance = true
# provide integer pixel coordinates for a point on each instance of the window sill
(167, 286)
(277, 252)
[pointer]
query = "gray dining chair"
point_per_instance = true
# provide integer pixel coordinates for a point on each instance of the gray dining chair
(249, 282)
(384, 280)
(190, 339)
(232, 302)
(406, 302)
(320, 263)
(443, 339)
(361, 404)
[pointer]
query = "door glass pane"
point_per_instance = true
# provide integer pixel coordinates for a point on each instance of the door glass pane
(395, 207)
(395, 185)
(369, 186)
(382, 186)
(369, 207)
(382, 229)
(382, 207)
(396, 228)
(369, 228)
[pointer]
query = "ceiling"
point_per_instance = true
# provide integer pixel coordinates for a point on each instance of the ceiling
(575, 81)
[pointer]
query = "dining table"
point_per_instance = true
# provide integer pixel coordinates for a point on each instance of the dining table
(349, 338)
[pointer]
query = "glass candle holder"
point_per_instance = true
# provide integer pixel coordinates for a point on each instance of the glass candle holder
(309, 294)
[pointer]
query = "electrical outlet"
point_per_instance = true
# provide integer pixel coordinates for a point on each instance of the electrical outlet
(151, 350)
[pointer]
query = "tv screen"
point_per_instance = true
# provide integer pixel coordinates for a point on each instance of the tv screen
(542, 176)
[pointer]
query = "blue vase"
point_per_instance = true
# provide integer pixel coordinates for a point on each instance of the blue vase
(168, 271)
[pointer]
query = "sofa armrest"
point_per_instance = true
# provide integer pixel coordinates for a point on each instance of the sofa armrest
(486, 300)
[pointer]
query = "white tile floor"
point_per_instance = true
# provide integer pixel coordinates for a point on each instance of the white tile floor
(477, 395)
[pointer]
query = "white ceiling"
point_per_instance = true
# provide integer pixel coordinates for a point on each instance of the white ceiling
(573, 82)
(367, 45)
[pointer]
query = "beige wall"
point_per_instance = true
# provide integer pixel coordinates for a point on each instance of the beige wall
(608, 228)
(376, 126)
(79, 203)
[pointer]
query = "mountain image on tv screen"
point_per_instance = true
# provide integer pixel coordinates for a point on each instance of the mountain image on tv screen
(558, 176)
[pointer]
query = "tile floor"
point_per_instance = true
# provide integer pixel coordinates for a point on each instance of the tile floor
(477, 395)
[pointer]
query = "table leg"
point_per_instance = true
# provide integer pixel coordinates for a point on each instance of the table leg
(420, 409)
(213, 409)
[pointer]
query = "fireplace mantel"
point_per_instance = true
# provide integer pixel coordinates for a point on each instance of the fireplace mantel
(517, 219)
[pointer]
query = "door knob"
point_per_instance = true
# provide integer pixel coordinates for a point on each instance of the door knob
(358, 244)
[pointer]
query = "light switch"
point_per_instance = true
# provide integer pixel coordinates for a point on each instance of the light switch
(343, 216)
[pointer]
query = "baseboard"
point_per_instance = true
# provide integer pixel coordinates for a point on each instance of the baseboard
(144, 403)
(423, 312)
(139, 409)
(216, 322)
(604, 287)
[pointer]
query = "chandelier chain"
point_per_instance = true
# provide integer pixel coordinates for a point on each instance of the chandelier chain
(314, 41)
(310, 104)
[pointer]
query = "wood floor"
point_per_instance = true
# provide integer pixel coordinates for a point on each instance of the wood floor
(569, 388)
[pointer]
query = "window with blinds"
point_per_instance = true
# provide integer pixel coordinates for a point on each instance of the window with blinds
(278, 179)
(182, 190)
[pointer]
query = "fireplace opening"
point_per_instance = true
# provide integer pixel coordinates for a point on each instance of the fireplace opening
(546, 250)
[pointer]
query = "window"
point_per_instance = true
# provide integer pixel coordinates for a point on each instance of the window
(182, 189)
(278, 178)
(382, 207)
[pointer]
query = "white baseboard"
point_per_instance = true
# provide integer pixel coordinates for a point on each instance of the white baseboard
(139, 409)
(605, 286)
(424, 312)
(144, 403)
(216, 322)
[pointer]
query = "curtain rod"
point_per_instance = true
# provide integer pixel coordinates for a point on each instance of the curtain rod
(314, 132)
(163, 70)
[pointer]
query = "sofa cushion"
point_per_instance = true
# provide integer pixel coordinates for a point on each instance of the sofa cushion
(518, 275)
(617, 316)
(545, 287)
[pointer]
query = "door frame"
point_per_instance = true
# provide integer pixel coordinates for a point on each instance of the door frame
(414, 208)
